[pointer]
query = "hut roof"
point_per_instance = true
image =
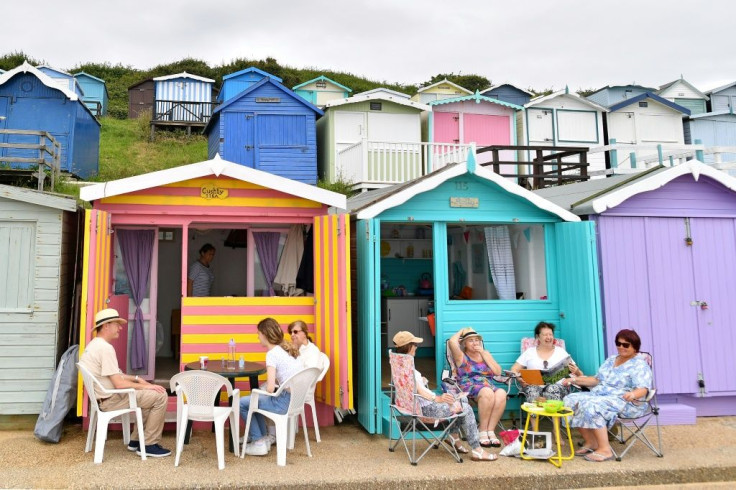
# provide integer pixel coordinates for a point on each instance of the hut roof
(683, 81)
(324, 79)
(378, 96)
(384, 90)
(477, 98)
(654, 97)
(217, 167)
(40, 198)
(596, 196)
(718, 89)
(564, 93)
(42, 77)
(463, 89)
(252, 69)
(494, 87)
(372, 203)
(183, 75)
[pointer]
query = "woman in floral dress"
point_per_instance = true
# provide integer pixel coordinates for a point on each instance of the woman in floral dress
(619, 386)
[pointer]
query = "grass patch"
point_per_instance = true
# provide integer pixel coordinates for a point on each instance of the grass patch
(125, 150)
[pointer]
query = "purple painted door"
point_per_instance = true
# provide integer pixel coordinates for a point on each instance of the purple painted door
(714, 261)
(446, 127)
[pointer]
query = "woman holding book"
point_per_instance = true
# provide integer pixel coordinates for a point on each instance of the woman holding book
(554, 362)
(444, 405)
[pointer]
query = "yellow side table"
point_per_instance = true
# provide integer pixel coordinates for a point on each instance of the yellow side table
(532, 409)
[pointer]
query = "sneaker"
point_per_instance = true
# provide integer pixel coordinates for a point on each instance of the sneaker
(155, 451)
(270, 440)
(134, 445)
(258, 448)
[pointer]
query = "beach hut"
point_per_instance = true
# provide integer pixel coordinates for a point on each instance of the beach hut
(371, 140)
(507, 92)
(2, 71)
(164, 217)
(723, 98)
(140, 98)
(646, 119)
(38, 237)
(321, 90)
(32, 101)
(441, 90)
(267, 127)
(182, 99)
(95, 93)
(441, 228)
(387, 92)
(684, 94)
(666, 238)
(712, 129)
(613, 94)
(62, 78)
(234, 83)
(563, 119)
(473, 119)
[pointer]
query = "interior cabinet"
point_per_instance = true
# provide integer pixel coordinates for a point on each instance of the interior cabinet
(404, 314)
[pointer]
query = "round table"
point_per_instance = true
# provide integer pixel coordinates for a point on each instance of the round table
(532, 409)
(251, 370)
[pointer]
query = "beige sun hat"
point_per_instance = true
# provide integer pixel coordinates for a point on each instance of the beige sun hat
(402, 338)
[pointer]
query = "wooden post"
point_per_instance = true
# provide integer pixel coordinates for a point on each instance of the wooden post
(613, 153)
(153, 131)
(538, 166)
(584, 165)
(496, 166)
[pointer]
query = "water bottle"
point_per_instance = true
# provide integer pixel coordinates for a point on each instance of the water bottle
(241, 363)
(231, 350)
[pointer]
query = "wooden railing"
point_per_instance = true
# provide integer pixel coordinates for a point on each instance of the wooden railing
(550, 165)
(373, 164)
(46, 151)
(179, 111)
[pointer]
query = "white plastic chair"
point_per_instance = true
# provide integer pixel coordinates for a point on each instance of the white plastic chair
(325, 361)
(299, 385)
(99, 420)
(196, 395)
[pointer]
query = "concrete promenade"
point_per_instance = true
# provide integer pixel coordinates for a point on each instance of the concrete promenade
(348, 457)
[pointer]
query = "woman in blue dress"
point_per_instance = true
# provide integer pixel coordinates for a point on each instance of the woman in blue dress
(619, 386)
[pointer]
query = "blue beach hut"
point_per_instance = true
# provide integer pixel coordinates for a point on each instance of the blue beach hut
(441, 228)
(95, 92)
(31, 100)
(64, 79)
(506, 92)
(267, 127)
(234, 83)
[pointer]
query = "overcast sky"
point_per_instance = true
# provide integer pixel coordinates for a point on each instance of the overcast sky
(531, 43)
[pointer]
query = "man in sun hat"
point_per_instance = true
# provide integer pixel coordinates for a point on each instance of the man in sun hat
(100, 359)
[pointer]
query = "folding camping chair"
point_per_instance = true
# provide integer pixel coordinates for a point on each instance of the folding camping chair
(407, 415)
(450, 381)
(628, 430)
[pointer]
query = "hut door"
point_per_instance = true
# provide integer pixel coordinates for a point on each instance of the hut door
(540, 126)
(96, 281)
(579, 293)
(446, 127)
(369, 326)
(622, 126)
(239, 144)
(332, 308)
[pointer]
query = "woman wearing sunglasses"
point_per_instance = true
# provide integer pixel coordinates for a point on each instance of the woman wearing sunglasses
(544, 356)
(621, 382)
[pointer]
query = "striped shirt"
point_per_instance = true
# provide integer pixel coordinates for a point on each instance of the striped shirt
(202, 278)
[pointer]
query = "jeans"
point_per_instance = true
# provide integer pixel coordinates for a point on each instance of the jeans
(278, 405)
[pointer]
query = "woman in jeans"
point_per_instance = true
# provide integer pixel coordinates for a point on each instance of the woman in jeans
(434, 405)
(281, 364)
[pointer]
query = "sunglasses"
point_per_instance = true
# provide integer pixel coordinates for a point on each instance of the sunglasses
(295, 332)
(625, 345)
(545, 364)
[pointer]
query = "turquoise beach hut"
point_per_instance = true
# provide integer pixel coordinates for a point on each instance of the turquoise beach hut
(422, 246)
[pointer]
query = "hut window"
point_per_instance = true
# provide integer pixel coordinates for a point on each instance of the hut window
(18, 239)
(376, 106)
(643, 104)
(497, 261)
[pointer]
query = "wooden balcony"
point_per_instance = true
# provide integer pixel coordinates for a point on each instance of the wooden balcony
(27, 153)
(376, 164)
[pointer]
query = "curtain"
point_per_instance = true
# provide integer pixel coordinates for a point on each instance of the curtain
(291, 257)
(500, 260)
(305, 276)
(267, 246)
(136, 247)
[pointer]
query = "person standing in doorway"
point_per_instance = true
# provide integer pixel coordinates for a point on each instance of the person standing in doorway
(200, 276)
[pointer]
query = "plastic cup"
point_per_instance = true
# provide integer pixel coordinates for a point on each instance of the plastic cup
(203, 362)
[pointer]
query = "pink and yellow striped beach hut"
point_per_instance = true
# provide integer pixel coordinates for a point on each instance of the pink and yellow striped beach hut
(143, 233)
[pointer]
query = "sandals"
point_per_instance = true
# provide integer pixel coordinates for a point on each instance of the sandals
(595, 457)
(493, 439)
(583, 451)
(480, 455)
(456, 443)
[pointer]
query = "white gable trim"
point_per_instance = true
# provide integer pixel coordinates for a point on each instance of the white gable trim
(563, 93)
(43, 78)
(423, 89)
(183, 75)
(216, 167)
(377, 96)
(30, 196)
(655, 181)
(433, 180)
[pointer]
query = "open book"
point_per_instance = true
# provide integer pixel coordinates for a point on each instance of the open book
(555, 373)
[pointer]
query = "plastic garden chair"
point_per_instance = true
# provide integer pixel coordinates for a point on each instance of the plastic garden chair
(310, 395)
(299, 385)
(197, 393)
(99, 420)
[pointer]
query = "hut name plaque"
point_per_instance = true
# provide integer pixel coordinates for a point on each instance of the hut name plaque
(463, 202)
(268, 100)
(212, 192)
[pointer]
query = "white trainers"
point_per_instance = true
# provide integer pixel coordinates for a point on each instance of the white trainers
(258, 448)
(270, 440)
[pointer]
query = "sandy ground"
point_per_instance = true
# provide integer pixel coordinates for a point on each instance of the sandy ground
(348, 457)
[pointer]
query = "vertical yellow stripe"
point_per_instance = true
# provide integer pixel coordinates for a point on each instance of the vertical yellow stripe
(83, 304)
(334, 282)
(348, 331)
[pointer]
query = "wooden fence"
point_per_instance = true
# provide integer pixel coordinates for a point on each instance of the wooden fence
(47, 148)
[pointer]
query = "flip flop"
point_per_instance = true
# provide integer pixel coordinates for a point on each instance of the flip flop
(583, 451)
(480, 455)
(595, 457)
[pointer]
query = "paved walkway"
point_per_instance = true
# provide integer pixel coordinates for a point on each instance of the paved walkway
(348, 457)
